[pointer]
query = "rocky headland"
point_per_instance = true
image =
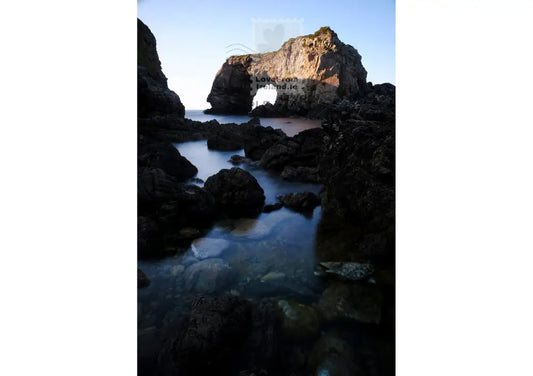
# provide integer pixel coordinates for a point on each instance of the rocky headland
(351, 155)
(311, 71)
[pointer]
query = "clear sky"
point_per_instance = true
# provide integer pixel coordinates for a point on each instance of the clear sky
(194, 37)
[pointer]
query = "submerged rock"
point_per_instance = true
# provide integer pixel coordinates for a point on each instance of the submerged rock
(208, 276)
(300, 202)
(272, 276)
(354, 271)
(333, 356)
(351, 302)
(203, 248)
(300, 322)
(237, 192)
(251, 229)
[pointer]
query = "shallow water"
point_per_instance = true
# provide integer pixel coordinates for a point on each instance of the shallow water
(291, 126)
(272, 256)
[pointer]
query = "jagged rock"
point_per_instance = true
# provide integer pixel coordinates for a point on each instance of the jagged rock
(238, 159)
(307, 174)
(208, 276)
(166, 157)
(272, 207)
(147, 235)
(142, 279)
(351, 302)
(153, 95)
(267, 110)
(223, 144)
(308, 71)
(224, 335)
(278, 155)
(190, 206)
(353, 271)
(155, 184)
(357, 170)
(300, 202)
(236, 192)
(259, 139)
(208, 247)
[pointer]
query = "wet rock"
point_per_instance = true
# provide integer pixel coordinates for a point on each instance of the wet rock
(300, 173)
(357, 170)
(238, 159)
(267, 110)
(351, 302)
(272, 207)
(354, 271)
(176, 269)
(147, 235)
(142, 279)
(213, 334)
(272, 276)
(191, 206)
(278, 155)
(188, 233)
(300, 202)
(300, 322)
(259, 139)
(154, 184)
(250, 229)
(236, 192)
(203, 248)
(223, 143)
(166, 157)
(208, 276)
(225, 336)
(333, 356)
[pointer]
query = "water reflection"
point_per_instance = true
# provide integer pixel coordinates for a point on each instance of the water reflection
(291, 126)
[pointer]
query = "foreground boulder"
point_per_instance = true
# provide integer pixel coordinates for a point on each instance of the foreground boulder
(236, 192)
(357, 169)
(226, 336)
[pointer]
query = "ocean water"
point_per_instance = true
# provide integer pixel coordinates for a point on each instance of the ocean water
(291, 126)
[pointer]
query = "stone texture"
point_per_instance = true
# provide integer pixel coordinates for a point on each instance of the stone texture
(325, 68)
(236, 192)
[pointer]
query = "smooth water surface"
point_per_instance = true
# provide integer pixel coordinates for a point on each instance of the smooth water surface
(291, 126)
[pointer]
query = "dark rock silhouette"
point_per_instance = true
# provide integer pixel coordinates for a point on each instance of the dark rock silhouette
(153, 95)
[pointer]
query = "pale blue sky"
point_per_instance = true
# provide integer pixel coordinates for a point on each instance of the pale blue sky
(193, 35)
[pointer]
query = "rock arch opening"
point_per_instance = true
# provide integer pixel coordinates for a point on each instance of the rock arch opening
(264, 95)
